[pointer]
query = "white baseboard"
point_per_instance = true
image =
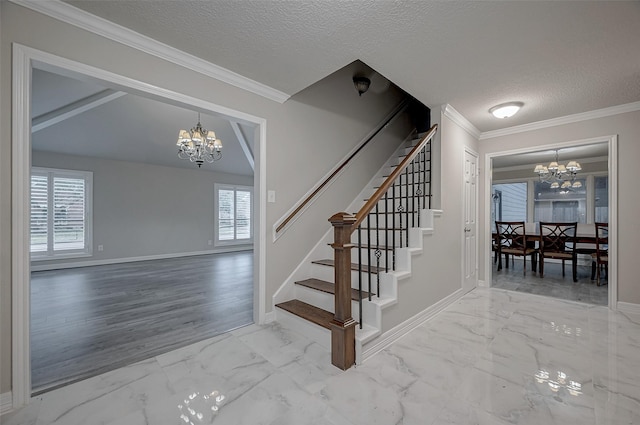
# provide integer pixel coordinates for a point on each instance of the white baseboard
(270, 317)
(6, 403)
(629, 308)
(59, 266)
(402, 329)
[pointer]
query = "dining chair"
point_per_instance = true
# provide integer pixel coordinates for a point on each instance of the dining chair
(557, 240)
(512, 240)
(600, 258)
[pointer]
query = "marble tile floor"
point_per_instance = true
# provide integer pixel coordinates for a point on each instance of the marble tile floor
(494, 357)
(553, 284)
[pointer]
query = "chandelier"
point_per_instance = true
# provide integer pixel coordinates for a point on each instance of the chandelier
(199, 145)
(559, 175)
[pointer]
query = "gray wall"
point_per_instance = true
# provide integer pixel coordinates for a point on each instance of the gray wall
(305, 137)
(627, 127)
(144, 210)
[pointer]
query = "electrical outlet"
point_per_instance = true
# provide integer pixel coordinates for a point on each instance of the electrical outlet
(100, 247)
(271, 196)
(210, 242)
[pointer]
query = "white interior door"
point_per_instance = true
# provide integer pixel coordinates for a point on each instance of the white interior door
(470, 254)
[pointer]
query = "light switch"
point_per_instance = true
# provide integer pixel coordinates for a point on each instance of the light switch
(271, 196)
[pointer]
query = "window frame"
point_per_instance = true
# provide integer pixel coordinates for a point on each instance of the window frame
(217, 188)
(588, 176)
(51, 253)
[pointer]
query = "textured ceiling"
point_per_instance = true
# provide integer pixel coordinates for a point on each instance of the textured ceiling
(558, 57)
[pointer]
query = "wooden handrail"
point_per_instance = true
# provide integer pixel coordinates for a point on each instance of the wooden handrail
(399, 109)
(368, 206)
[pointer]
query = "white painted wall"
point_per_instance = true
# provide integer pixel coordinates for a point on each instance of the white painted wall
(305, 137)
(144, 210)
(627, 127)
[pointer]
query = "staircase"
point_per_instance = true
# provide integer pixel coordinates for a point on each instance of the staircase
(373, 250)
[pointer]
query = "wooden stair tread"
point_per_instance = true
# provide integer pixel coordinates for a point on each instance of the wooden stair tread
(354, 266)
(309, 312)
(330, 288)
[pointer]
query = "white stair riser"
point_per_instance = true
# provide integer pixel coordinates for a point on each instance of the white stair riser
(312, 331)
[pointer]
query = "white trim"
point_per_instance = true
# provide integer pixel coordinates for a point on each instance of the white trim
(23, 59)
(628, 308)
(530, 166)
(270, 317)
(410, 324)
(460, 120)
(613, 222)
(612, 141)
(75, 264)
(6, 403)
(569, 119)
(260, 225)
(79, 18)
(20, 183)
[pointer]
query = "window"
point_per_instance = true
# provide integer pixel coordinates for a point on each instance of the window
(509, 202)
(601, 202)
(60, 213)
(234, 222)
(566, 205)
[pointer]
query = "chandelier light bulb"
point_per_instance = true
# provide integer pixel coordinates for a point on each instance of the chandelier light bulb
(559, 175)
(199, 145)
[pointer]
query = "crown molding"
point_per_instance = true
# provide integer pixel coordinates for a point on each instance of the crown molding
(569, 119)
(460, 120)
(73, 16)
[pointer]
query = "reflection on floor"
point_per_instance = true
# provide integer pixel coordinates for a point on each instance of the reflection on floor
(494, 357)
(553, 284)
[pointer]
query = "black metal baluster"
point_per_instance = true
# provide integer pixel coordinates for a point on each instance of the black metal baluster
(393, 224)
(429, 197)
(377, 251)
(413, 193)
(360, 273)
(406, 205)
(369, 252)
(419, 191)
(386, 231)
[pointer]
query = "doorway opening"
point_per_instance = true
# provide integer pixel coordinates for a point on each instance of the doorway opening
(517, 194)
(28, 61)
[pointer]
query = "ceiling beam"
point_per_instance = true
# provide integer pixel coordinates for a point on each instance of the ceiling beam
(74, 108)
(243, 143)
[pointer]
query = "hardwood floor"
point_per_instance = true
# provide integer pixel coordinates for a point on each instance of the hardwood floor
(89, 320)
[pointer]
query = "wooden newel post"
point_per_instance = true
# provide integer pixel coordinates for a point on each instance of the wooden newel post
(343, 327)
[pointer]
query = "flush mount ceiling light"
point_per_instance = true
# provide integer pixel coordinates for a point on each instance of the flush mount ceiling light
(362, 84)
(506, 110)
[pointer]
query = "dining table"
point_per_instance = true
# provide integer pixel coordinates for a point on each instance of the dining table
(585, 240)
